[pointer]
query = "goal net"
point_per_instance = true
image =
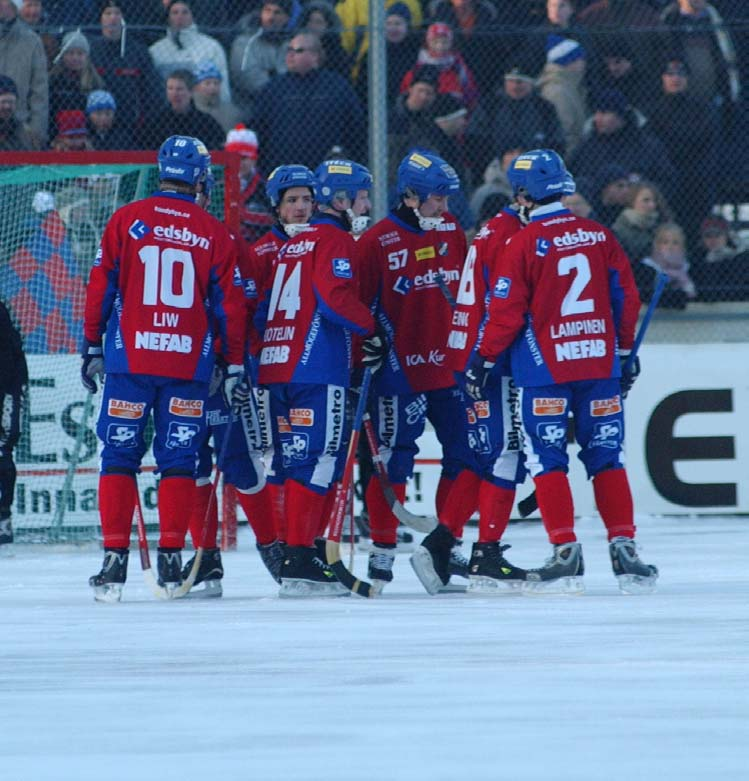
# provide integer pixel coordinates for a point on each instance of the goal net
(54, 209)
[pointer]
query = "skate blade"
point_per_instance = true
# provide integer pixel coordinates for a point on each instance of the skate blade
(421, 561)
(635, 585)
(208, 589)
(171, 590)
(568, 586)
(452, 588)
(110, 593)
(293, 589)
(478, 584)
(365, 545)
(377, 586)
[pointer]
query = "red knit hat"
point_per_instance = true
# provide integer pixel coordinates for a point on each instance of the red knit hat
(71, 123)
(242, 140)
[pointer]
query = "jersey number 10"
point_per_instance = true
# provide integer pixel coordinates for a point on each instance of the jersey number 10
(162, 269)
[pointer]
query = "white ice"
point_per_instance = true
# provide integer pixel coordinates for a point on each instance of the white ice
(600, 687)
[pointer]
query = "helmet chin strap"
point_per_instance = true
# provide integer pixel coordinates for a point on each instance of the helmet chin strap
(295, 228)
(359, 223)
(428, 223)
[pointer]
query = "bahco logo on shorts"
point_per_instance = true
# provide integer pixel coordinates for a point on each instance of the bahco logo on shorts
(132, 410)
(601, 407)
(186, 408)
(302, 417)
(544, 406)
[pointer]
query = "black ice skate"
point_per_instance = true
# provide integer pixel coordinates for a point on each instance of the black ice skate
(169, 567)
(209, 575)
(458, 564)
(305, 574)
(380, 567)
(561, 574)
(272, 555)
(491, 573)
(6, 530)
(633, 575)
(431, 560)
(108, 583)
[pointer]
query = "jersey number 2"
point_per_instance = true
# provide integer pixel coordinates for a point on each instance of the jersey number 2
(161, 270)
(573, 304)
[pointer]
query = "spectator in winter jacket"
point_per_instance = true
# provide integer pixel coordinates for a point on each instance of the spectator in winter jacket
(14, 137)
(23, 59)
(721, 268)
(123, 62)
(616, 137)
(72, 132)
(72, 76)
(669, 255)
(611, 188)
(206, 95)
(181, 118)
(455, 77)
(258, 53)
(308, 111)
(635, 226)
(319, 17)
(513, 111)
(401, 50)
(561, 83)
(104, 129)
(184, 47)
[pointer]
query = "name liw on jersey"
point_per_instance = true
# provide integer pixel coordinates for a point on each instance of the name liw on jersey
(579, 348)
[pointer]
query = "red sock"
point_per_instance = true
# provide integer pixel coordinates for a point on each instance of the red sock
(382, 522)
(614, 502)
(116, 505)
(303, 511)
(198, 520)
(175, 494)
(495, 506)
(277, 509)
(555, 502)
(258, 508)
(461, 502)
(443, 489)
(327, 512)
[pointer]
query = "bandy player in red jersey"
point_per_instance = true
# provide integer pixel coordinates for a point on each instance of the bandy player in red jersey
(493, 422)
(565, 305)
(290, 189)
(164, 277)
(310, 312)
(404, 260)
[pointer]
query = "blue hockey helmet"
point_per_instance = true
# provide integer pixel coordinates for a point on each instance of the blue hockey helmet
(183, 159)
(285, 176)
(340, 176)
(424, 173)
(539, 174)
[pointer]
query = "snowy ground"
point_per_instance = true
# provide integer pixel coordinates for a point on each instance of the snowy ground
(601, 687)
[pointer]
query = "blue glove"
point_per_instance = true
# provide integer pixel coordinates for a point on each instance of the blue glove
(93, 365)
(627, 380)
(477, 375)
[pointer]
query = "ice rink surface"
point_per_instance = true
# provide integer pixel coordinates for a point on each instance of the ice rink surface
(408, 687)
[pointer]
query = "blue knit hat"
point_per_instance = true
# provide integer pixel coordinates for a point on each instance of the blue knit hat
(563, 51)
(100, 100)
(206, 70)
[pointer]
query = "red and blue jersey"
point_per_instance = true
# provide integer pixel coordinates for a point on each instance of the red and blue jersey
(165, 276)
(403, 268)
(311, 308)
(564, 299)
(477, 279)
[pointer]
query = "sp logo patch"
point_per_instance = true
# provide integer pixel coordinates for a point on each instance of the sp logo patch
(342, 268)
(502, 287)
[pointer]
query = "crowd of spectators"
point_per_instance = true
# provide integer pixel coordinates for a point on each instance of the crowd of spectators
(645, 99)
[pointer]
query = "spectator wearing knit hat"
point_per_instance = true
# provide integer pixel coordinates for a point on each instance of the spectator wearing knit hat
(255, 212)
(721, 263)
(616, 137)
(72, 132)
(23, 59)
(206, 94)
(561, 83)
(184, 47)
(181, 118)
(258, 53)
(104, 129)
(401, 51)
(122, 60)
(14, 136)
(455, 77)
(72, 76)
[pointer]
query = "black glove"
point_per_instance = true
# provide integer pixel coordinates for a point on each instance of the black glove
(93, 365)
(627, 380)
(375, 349)
(477, 374)
(218, 375)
